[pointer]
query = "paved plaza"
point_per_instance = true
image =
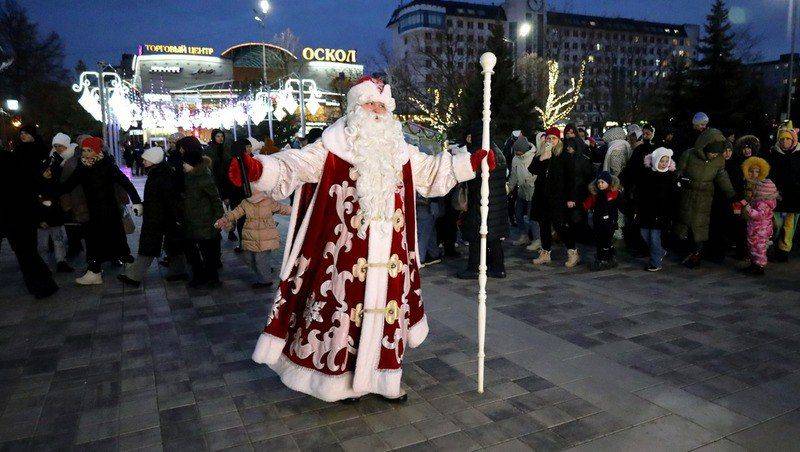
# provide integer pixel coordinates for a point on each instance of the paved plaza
(616, 360)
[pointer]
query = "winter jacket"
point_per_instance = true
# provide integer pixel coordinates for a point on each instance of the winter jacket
(583, 172)
(162, 204)
(520, 178)
(201, 203)
(554, 186)
(758, 212)
(786, 175)
(105, 234)
(175, 160)
(706, 137)
(220, 162)
(74, 202)
(51, 211)
(260, 231)
(19, 176)
(654, 198)
(617, 156)
(603, 205)
(634, 171)
(699, 177)
(497, 220)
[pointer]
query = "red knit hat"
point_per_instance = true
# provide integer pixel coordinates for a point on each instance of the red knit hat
(253, 166)
(553, 131)
(93, 143)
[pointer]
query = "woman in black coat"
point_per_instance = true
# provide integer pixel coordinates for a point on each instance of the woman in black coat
(160, 221)
(19, 185)
(105, 232)
(497, 221)
(554, 197)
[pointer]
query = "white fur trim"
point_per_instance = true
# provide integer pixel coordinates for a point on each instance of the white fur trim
(367, 91)
(418, 332)
(329, 388)
(462, 166)
(369, 349)
(268, 349)
(269, 173)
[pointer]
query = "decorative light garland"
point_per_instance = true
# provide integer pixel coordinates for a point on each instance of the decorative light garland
(558, 107)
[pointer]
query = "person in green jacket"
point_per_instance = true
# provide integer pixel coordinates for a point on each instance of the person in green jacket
(202, 207)
(700, 172)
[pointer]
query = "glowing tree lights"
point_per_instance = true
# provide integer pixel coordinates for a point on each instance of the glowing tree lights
(440, 117)
(559, 106)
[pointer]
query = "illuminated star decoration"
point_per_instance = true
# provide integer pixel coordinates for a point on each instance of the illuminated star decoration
(558, 107)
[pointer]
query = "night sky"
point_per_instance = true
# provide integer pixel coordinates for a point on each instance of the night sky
(93, 30)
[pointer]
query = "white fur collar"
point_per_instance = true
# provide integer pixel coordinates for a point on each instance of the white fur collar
(334, 140)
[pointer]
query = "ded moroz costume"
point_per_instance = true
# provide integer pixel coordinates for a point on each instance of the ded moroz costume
(348, 305)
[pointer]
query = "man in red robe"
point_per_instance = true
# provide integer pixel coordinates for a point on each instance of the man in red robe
(349, 304)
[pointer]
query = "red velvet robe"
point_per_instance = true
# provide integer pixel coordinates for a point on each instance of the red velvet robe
(347, 307)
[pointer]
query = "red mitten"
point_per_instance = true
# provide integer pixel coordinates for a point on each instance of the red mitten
(253, 166)
(478, 156)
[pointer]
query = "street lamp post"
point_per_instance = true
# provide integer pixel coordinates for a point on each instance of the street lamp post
(261, 17)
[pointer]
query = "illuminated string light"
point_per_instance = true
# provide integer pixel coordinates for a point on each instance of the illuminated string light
(558, 107)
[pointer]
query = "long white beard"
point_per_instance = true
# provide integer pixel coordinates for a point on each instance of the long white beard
(376, 142)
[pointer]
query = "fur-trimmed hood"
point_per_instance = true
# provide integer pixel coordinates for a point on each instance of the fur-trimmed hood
(750, 141)
(760, 163)
(205, 164)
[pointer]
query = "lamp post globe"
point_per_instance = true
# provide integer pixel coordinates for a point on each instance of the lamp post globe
(264, 6)
(524, 30)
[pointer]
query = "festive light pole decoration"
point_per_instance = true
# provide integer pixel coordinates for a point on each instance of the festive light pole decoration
(558, 107)
(111, 94)
(439, 117)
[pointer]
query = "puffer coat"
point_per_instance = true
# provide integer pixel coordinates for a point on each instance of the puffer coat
(161, 208)
(260, 231)
(699, 177)
(497, 221)
(202, 206)
(555, 185)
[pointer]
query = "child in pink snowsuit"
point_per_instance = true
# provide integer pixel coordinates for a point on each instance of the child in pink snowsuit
(761, 200)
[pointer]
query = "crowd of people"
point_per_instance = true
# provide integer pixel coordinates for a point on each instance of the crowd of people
(720, 196)
(70, 197)
(723, 195)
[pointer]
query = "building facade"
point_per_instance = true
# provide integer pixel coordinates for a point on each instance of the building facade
(626, 56)
(774, 75)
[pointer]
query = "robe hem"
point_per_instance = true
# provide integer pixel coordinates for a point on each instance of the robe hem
(418, 332)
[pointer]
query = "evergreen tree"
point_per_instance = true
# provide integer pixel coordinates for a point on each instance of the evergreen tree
(723, 90)
(512, 105)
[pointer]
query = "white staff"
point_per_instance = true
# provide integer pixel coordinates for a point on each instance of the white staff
(488, 60)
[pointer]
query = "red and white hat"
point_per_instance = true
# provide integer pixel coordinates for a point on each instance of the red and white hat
(370, 89)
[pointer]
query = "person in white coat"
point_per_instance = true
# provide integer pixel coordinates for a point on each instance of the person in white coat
(521, 180)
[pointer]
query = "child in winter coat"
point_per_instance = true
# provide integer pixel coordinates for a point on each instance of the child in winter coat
(603, 202)
(259, 235)
(758, 206)
(654, 190)
(202, 205)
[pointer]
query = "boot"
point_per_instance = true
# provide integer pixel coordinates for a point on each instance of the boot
(544, 258)
(128, 281)
(573, 258)
(536, 245)
(692, 260)
(90, 279)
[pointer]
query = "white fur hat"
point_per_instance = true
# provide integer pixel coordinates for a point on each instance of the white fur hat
(154, 155)
(635, 129)
(61, 139)
(656, 157)
(370, 89)
(256, 145)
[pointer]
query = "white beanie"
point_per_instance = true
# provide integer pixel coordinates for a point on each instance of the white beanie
(700, 119)
(370, 89)
(516, 133)
(255, 144)
(154, 155)
(61, 139)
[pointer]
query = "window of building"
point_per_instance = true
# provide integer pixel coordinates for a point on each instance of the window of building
(460, 24)
(427, 36)
(480, 25)
(450, 23)
(428, 63)
(470, 25)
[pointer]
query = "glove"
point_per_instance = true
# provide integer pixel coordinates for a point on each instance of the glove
(138, 210)
(478, 156)
(253, 166)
